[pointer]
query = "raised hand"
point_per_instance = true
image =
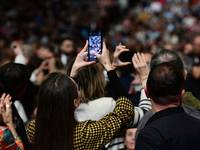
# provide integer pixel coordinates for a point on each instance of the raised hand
(80, 62)
(104, 58)
(116, 61)
(43, 65)
(17, 48)
(6, 109)
(141, 67)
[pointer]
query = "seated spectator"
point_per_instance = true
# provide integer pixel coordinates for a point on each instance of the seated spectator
(8, 135)
(169, 127)
(59, 97)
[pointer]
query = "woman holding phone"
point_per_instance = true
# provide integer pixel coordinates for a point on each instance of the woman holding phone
(55, 126)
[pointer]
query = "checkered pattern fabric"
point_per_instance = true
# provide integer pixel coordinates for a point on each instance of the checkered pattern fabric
(96, 134)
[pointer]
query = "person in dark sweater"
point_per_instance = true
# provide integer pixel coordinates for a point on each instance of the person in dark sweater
(169, 127)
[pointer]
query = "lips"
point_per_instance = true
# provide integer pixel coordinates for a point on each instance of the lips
(132, 143)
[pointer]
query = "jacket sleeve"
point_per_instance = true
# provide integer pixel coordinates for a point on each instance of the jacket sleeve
(31, 130)
(96, 134)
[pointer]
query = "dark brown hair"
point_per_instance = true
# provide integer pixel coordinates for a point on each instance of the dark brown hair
(165, 83)
(13, 79)
(55, 116)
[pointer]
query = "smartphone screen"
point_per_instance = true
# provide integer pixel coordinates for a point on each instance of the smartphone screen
(95, 44)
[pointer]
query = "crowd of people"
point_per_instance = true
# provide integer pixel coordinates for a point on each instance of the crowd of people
(53, 98)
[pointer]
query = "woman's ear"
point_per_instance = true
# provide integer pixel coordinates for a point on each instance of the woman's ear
(146, 92)
(76, 103)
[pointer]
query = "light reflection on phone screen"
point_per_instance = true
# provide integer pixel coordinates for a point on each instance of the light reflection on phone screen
(94, 45)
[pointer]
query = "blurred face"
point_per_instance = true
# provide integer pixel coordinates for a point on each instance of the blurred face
(67, 47)
(147, 57)
(44, 53)
(197, 44)
(129, 140)
(188, 49)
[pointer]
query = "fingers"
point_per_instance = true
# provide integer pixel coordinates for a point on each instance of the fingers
(3, 96)
(2, 109)
(89, 63)
(104, 47)
(104, 51)
(126, 63)
(119, 49)
(138, 59)
(84, 48)
(143, 58)
(97, 55)
(7, 99)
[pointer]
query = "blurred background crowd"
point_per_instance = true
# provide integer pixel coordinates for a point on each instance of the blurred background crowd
(39, 33)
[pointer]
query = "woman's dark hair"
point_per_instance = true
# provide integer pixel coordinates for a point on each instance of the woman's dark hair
(55, 120)
(13, 79)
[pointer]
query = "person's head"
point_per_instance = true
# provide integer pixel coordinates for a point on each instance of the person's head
(6, 56)
(165, 84)
(169, 46)
(129, 138)
(45, 51)
(67, 46)
(196, 43)
(188, 48)
(166, 56)
(14, 79)
(148, 57)
(91, 82)
(58, 98)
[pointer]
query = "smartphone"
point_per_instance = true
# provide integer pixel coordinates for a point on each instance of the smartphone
(126, 56)
(94, 45)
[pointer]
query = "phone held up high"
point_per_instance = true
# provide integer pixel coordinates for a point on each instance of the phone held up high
(95, 44)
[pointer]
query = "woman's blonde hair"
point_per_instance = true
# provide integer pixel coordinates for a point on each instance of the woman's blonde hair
(91, 82)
